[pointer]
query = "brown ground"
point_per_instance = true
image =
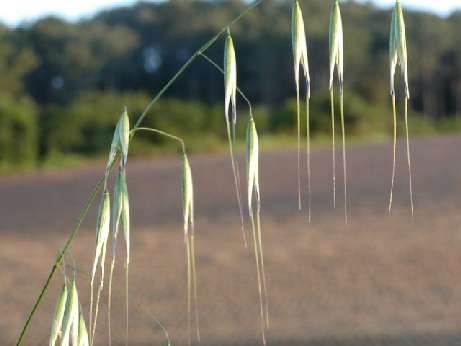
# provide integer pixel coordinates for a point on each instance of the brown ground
(380, 280)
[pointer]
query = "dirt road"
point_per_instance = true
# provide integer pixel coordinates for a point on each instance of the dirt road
(379, 280)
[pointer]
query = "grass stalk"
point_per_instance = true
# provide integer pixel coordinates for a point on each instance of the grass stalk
(394, 151)
(298, 126)
(343, 130)
(409, 156)
(308, 154)
(332, 110)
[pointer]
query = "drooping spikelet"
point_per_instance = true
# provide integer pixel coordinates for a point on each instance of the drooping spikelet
(83, 339)
(300, 59)
(398, 56)
(230, 112)
(336, 45)
(189, 237)
(398, 49)
(120, 141)
(254, 209)
(56, 326)
(336, 48)
(120, 214)
(102, 234)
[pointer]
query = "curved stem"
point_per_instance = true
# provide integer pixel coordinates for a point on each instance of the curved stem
(241, 93)
(308, 158)
(343, 130)
(101, 181)
(409, 156)
(162, 133)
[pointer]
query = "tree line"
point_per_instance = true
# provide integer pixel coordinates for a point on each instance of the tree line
(64, 83)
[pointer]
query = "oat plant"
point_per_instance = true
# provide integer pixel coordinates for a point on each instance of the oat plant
(119, 149)
(300, 60)
(336, 48)
(398, 56)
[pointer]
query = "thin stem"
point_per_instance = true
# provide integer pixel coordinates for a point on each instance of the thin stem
(308, 140)
(162, 133)
(332, 107)
(394, 114)
(189, 289)
(343, 129)
(258, 272)
(162, 327)
(298, 126)
(261, 255)
(194, 282)
(409, 156)
(219, 68)
(102, 180)
(127, 270)
(109, 301)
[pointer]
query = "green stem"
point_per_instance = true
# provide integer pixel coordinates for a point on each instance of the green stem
(101, 181)
(162, 133)
(202, 49)
(308, 140)
(332, 107)
(409, 156)
(59, 259)
(394, 150)
(343, 130)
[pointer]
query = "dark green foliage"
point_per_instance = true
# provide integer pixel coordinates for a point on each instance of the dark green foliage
(80, 75)
(18, 134)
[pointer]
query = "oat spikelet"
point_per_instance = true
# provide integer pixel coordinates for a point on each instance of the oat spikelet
(254, 202)
(300, 59)
(102, 234)
(336, 48)
(70, 320)
(56, 326)
(230, 112)
(120, 214)
(189, 238)
(398, 56)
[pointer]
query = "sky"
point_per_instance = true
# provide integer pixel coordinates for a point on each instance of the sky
(14, 12)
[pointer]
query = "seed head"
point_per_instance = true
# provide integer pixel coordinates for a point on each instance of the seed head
(120, 141)
(187, 196)
(83, 339)
(230, 78)
(336, 45)
(298, 36)
(398, 48)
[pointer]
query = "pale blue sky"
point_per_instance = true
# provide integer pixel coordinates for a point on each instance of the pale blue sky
(16, 11)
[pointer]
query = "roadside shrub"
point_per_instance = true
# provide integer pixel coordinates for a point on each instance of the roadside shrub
(18, 133)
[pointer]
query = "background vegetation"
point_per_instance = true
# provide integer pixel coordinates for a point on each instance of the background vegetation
(64, 84)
